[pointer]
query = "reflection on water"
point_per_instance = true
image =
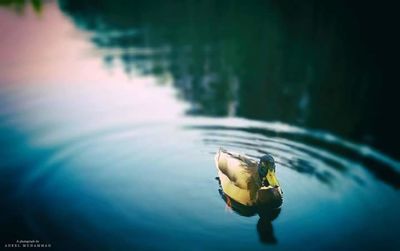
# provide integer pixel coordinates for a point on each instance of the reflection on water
(267, 215)
(265, 231)
(101, 154)
(19, 5)
(300, 63)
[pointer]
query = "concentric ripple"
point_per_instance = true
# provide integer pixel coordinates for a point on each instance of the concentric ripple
(116, 177)
(314, 153)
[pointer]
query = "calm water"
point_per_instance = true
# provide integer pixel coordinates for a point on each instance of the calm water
(110, 114)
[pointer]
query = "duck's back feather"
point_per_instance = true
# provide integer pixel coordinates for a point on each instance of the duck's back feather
(239, 176)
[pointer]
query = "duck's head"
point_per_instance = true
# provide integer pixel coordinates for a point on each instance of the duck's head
(266, 171)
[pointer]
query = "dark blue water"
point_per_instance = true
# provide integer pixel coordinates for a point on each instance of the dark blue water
(98, 153)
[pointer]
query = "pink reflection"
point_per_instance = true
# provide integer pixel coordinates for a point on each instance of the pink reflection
(53, 78)
(47, 48)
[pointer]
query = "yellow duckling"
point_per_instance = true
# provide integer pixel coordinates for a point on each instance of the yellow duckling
(247, 181)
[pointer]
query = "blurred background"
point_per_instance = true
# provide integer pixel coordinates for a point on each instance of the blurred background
(111, 111)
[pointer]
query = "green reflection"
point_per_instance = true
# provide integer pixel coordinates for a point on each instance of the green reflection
(19, 5)
(294, 62)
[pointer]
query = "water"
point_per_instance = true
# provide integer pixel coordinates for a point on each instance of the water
(98, 153)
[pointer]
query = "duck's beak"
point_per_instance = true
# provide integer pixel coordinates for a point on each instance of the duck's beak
(271, 178)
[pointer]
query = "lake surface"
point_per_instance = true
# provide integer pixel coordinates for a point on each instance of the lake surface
(111, 113)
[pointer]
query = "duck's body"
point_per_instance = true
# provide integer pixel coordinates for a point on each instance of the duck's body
(240, 180)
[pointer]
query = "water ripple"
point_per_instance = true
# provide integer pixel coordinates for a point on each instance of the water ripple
(315, 153)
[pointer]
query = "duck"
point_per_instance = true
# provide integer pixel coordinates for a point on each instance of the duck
(248, 181)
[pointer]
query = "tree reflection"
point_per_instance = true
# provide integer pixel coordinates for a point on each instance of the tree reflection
(20, 5)
(297, 62)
